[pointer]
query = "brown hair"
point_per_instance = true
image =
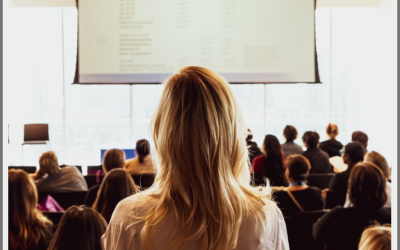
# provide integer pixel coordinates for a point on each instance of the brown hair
(290, 133)
(48, 164)
(379, 161)
(142, 149)
(113, 158)
(80, 228)
(26, 224)
(117, 185)
(361, 137)
(332, 131)
(311, 139)
(367, 186)
(298, 167)
(376, 237)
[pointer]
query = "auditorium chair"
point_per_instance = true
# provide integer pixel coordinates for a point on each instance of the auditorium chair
(320, 181)
(93, 179)
(66, 199)
(55, 217)
(334, 198)
(299, 230)
(144, 180)
(28, 169)
(94, 169)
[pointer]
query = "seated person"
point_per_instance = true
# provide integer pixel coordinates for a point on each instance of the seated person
(332, 147)
(142, 163)
(27, 227)
(269, 165)
(376, 238)
(113, 158)
(252, 146)
(341, 228)
(360, 137)
(298, 197)
(318, 159)
(52, 178)
(289, 147)
(116, 186)
(80, 228)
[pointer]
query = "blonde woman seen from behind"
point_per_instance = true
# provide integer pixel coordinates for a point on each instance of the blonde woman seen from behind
(376, 238)
(201, 198)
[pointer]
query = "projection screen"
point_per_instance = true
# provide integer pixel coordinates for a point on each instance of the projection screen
(145, 41)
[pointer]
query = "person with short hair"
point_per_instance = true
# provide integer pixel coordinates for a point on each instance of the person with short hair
(341, 228)
(201, 197)
(80, 228)
(360, 137)
(331, 146)
(252, 146)
(143, 162)
(289, 147)
(318, 159)
(376, 237)
(116, 186)
(52, 178)
(28, 228)
(298, 197)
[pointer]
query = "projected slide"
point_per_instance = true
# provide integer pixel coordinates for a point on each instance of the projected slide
(144, 41)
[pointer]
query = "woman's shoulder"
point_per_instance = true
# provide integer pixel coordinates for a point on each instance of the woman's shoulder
(133, 205)
(260, 158)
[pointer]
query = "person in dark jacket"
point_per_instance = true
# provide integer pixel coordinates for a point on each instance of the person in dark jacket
(332, 147)
(253, 148)
(318, 159)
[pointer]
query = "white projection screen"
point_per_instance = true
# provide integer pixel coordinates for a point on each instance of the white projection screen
(145, 41)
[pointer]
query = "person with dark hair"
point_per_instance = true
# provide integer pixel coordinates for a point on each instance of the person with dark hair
(116, 186)
(318, 159)
(341, 228)
(80, 228)
(143, 162)
(353, 153)
(270, 164)
(332, 147)
(289, 147)
(360, 137)
(52, 178)
(298, 197)
(253, 148)
(27, 227)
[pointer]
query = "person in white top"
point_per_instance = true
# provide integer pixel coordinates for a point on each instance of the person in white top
(142, 163)
(201, 198)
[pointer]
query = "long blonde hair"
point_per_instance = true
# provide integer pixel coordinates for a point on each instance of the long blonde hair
(203, 180)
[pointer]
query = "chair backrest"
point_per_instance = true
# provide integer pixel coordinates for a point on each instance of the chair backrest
(28, 169)
(77, 166)
(320, 180)
(66, 199)
(144, 181)
(55, 217)
(334, 198)
(94, 169)
(93, 179)
(299, 229)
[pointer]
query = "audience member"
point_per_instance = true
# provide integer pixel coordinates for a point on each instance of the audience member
(298, 197)
(201, 198)
(353, 153)
(376, 238)
(380, 162)
(341, 228)
(332, 147)
(318, 159)
(270, 164)
(27, 227)
(52, 178)
(80, 228)
(252, 146)
(116, 186)
(142, 163)
(289, 147)
(361, 137)
(112, 159)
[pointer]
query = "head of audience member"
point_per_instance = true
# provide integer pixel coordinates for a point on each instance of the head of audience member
(48, 164)
(379, 161)
(26, 224)
(297, 168)
(80, 228)
(199, 135)
(376, 237)
(353, 153)
(332, 131)
(116, 186)
(367, 186)
(142, 149)
(113, 158)
(249, 136)
(290, 133)
(271, 146)
(310, 139)
(361, 137)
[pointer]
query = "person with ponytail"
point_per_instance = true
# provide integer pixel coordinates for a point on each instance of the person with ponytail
(201, 197)
(28, 228)
(331, 146)
(142, 163)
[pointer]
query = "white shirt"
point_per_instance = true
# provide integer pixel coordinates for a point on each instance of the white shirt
(121, 234)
